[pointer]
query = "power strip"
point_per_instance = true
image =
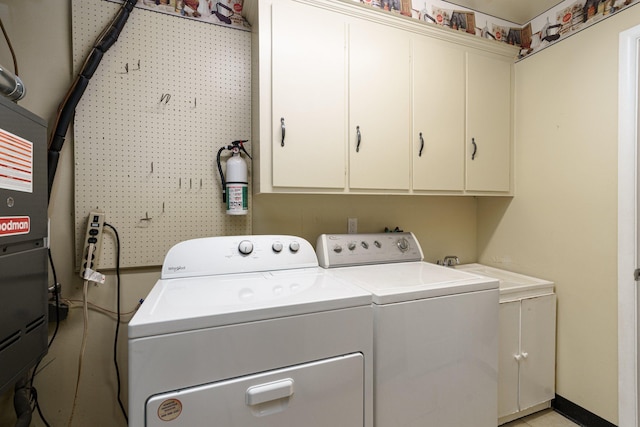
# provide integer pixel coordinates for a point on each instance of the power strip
(95, 225)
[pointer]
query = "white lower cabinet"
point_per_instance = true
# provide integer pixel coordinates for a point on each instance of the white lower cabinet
(527, 342)
(526, 366)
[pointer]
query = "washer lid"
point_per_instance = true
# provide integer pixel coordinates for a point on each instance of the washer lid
(391, 283)
(177, 305)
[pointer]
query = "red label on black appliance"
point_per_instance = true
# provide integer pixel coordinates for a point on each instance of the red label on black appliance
(14, 225)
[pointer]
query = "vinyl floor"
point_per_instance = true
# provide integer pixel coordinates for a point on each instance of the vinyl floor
(547, 418)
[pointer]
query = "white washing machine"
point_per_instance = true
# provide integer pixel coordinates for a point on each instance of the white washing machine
(435, 331)
(248, 331)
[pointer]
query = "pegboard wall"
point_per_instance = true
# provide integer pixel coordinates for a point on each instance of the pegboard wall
(166, 96)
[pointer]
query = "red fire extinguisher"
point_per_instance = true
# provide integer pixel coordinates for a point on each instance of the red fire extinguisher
(235, 187)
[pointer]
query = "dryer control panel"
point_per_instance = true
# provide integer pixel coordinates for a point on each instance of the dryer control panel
(342, 250)
(211, 256)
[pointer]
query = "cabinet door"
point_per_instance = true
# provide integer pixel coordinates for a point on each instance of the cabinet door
(438, 116)
(488, 136)
(538, 349)
(509, 337)
(309, 96)
(379, 101)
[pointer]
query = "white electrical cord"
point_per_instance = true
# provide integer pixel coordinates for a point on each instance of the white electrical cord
(85, 333)
(74, 303)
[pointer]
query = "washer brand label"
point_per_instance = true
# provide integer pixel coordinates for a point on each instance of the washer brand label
(14, 225)
(170, 409)
(177, 268)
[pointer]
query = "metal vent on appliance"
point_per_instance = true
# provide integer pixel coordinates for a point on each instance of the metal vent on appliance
(9, 340)
(35, 324)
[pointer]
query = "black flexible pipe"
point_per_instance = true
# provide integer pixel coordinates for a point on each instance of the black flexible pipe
(68, 106)
(224, 187)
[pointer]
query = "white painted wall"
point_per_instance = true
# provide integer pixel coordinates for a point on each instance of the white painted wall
(562, 224)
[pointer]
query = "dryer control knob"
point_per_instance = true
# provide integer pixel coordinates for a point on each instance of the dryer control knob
(294, 247)
(351, 246)
(337, 249)
(245, 247)
(403, 244)
(277, 247)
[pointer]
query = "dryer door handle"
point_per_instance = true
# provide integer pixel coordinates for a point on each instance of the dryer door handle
(270, 391)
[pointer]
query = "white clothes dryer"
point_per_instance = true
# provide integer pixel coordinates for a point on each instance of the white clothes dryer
(435, 331)
(245, 331)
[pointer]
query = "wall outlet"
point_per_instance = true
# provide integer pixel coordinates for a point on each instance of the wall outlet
(352, 225)
(95, 226)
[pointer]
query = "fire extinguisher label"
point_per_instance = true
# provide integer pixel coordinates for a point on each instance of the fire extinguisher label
(237, 198)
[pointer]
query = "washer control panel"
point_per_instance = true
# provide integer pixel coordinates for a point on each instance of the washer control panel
(341, 250)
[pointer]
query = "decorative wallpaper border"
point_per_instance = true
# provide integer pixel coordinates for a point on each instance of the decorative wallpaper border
(568, 17)
(561, 21)
(227, 13)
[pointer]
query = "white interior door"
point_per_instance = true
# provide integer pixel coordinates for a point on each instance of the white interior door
(628, 237)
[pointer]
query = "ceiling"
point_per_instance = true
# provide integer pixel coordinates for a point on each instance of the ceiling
(516, 11)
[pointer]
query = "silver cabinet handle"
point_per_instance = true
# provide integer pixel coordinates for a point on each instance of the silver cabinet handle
(421, 145)
(359, 138)
(283, 129)
(475, 148)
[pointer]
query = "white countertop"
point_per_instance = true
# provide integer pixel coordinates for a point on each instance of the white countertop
(513, 286)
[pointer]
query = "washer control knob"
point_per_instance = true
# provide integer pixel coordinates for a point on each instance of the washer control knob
(403, 244)
(337, 249)
(364, 244)
(245, 247)
(377, 244)
(351, 246)
(277, 247)
(294, 247)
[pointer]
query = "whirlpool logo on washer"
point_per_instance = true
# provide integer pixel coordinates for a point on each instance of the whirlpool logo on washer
(176, 268)
(14, 225)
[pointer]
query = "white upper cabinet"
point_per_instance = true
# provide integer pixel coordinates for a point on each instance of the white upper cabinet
(488, 123)
(309, 115)
(438, 115)
(379, 107)
(351, 99)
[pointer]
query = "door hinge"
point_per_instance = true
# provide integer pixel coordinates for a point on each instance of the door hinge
(636, 274)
